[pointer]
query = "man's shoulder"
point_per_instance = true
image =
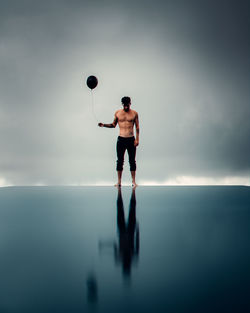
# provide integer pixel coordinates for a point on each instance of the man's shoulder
(118, 111)
(134, 112)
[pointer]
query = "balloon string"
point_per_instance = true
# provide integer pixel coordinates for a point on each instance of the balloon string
(93, 111)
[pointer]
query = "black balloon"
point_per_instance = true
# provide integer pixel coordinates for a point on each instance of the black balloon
(92, 82)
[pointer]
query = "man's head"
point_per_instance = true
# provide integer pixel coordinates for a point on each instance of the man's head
(126, 102)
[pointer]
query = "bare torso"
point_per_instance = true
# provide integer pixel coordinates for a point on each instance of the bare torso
(126, 121)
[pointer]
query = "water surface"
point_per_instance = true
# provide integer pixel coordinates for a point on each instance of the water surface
(95, 249)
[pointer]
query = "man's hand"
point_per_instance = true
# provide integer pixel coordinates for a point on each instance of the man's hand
(136, 142)
(100, 124)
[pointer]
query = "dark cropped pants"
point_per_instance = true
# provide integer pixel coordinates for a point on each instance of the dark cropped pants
(123, 144)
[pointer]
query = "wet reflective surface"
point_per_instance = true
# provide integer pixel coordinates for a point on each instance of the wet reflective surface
(99, 249)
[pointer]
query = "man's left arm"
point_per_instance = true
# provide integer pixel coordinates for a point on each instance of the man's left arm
(137, 130)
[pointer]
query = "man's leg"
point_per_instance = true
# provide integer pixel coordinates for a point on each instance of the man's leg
(119, 178)
(133, 178)
(120, 150)
(131, 155)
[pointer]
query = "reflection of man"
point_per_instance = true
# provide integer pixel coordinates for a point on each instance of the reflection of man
(92, 294)
(126, 119)
(128, 249)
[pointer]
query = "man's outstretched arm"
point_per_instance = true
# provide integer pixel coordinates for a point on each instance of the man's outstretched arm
(112, 125)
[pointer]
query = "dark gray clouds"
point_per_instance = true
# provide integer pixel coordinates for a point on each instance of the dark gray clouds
(184, 63)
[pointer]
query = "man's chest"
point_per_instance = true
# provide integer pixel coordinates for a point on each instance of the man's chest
(126, 117)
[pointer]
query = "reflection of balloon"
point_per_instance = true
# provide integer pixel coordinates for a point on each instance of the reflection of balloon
(92, 82)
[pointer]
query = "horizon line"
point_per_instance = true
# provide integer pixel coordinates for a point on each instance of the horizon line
(130, 185)
(176, 181)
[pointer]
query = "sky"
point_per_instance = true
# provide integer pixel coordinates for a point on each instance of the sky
(185, 65)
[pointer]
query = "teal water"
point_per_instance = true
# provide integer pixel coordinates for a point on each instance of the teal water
(93, 249)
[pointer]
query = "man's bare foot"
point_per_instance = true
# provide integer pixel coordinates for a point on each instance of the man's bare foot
(134, 184)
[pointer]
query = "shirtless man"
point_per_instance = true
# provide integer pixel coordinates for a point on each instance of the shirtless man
(126, 119)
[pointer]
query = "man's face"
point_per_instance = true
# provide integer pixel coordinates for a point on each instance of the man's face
(126, 107)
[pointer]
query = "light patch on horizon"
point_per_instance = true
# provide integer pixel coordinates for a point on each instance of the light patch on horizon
(200, 181)
(4, 183)
(177, 181)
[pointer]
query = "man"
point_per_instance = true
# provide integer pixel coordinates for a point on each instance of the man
(126, 119)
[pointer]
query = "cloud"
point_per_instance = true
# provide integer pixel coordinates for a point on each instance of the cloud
(184, 64)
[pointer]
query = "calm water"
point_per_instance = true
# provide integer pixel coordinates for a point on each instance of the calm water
(93, 249)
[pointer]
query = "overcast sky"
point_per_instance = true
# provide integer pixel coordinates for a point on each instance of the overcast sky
(185, 65)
